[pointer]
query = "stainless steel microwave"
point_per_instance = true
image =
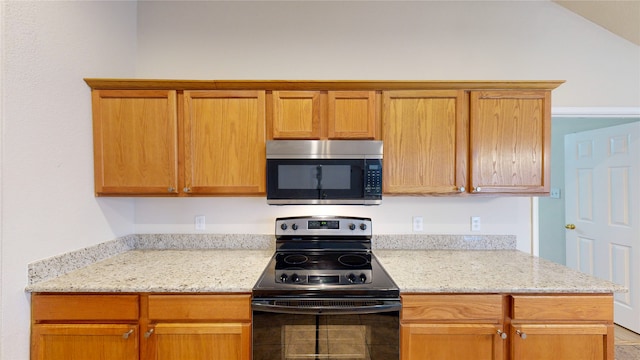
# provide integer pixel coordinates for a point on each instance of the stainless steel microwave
(317, 172)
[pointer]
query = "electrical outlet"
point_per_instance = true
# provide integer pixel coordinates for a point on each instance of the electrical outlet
(475, 223)
(418, 223)
(554, 193)
(200, 223)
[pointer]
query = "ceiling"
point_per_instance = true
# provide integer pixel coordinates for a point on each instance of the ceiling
(620, 17)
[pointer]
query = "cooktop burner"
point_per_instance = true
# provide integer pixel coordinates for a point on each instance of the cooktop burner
(323, 268)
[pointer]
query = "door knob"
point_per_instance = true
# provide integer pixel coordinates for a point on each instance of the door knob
(570, 226)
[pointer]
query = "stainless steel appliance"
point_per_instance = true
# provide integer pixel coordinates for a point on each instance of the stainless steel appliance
(324, 295)
(347, 172)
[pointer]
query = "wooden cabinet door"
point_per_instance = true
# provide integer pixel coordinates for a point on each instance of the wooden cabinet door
(451, 342)
(313, 115)
(296, 115)
(562, 327)
(135, 142)
(559, 341)
(425, 142)
(510, 141)
(84, 341)
(351, 115)
(224, 142)
(197, 327)
(186, 341)
(452, 327)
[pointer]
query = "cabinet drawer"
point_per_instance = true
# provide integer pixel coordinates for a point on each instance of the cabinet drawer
(452, 307)
(200, 307)
(572, 308)
(84, 307)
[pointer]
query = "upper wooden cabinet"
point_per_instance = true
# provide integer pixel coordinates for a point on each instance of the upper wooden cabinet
(425, 141)
(324, 115)
(135, 139)
(192, 137)
(510, 141)
(141, 137)
(224, 142)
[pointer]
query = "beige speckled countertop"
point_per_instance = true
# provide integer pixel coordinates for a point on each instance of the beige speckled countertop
(485, 271)
(196, 270)
(222, 270)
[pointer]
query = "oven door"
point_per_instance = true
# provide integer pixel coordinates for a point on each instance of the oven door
(359, 329)
(324, 181)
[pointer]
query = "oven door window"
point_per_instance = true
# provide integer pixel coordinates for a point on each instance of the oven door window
(297, 337)
(315, 178)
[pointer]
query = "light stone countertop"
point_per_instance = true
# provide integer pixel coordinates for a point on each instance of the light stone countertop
(485, 271)
(195, 270)
(237, 270)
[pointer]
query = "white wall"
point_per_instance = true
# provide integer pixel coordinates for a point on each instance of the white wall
(48, 206)
(499, 216)
(475, 40)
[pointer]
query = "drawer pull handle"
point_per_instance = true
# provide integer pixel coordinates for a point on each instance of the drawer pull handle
(521, 334)
(148, 333)
(127, 334)
(502, 334)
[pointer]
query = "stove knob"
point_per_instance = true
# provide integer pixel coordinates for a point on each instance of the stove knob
(295, 278)
(363, 226)
(363, 278)
(283, 226)
(352, 278)
(294, 226)
(283, 278)
(352, 226)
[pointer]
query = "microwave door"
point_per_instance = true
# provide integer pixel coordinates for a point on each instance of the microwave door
(315, 181)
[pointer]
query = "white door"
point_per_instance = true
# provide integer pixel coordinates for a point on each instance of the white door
(603, 203)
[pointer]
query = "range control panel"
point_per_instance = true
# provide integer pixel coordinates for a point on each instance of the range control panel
(323, 226)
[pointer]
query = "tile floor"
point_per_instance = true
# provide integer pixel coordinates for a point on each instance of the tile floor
(627, 344)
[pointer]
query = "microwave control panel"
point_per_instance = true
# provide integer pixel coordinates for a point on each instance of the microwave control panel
(373, 178)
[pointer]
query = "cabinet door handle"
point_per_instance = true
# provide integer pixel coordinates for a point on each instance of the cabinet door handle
(477, 189)
(187, 189)
(171, 189)
(148, 333)
(521, 334)
(502, 334)
(461, 189)
(127, 334)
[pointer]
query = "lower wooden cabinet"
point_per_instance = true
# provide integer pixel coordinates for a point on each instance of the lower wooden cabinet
(218, 326)
(84, 341)
(141, 326)
(516, 327)
(452, 327)
(562, 327)
(84, 327)
(197, 327)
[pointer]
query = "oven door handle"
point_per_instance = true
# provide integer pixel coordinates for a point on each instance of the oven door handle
(307, 307)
